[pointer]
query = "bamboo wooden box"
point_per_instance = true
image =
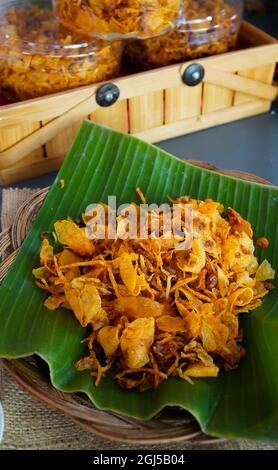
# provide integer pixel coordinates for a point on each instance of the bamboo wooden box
(35, 135)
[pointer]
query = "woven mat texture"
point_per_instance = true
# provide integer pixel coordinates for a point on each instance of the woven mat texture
(31, 425)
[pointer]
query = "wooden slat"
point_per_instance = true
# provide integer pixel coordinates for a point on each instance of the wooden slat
(244, 85)
(45, 108)
(40, 167)
(198, 123)
(216, 98)
(240, 60)
(43, 135)
(135, 85)
(262, 74)
(60, 145)
(146, 112)
(13, 134)
(219, 86)
(114, 116)
(182, 102)
(254, 35)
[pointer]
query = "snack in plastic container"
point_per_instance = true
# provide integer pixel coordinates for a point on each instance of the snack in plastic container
(38, 56)
(119, 18)
(207, 27)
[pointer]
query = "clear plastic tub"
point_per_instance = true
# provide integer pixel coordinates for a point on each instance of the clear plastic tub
(119, 18)
(38, 56)
(206, 27)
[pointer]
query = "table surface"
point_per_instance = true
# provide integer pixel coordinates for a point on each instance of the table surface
(249, 145)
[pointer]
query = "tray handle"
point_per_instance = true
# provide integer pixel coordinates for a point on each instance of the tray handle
(24, 147)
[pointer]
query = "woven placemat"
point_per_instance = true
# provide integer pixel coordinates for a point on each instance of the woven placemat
(31, 425)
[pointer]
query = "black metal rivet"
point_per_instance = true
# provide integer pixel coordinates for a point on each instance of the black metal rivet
(107, 94)
(193, 74)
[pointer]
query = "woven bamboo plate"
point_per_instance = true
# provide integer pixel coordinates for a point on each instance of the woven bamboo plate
(171, 425)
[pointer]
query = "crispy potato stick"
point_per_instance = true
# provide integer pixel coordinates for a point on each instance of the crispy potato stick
(152, 310)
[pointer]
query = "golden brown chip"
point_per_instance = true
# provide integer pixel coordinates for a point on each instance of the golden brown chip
(74, 237)
(201, 370)
(136, 341)
(265, 271)
(68, 257)
(40, 273)
(84, 301)
(241, 297)
(195, 260)
(170, 324)
(109, 339)
(214, 334)
(156, 311)
(238, 253)
(54, 301)
(239, 224)
(136, 307)
(46, 254)
(128, 270)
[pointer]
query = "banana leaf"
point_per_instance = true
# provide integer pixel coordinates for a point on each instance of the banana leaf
(240, 403)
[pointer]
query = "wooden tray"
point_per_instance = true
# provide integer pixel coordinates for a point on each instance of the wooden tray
(35, 135)
(171, 425)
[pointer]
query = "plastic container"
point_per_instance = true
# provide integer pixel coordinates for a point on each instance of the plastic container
(38, 56)
(119, 19)
(206, 27)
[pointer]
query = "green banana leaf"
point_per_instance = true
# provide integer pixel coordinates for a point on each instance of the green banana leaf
(240, 403)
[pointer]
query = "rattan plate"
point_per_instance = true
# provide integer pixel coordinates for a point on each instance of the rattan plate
(171, 425)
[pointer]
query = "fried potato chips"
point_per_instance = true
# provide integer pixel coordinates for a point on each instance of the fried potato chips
(154, 310)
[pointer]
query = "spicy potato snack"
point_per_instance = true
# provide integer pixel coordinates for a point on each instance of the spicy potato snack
(153, 310)
(118, 18)
(38, 56)
(207, 27)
